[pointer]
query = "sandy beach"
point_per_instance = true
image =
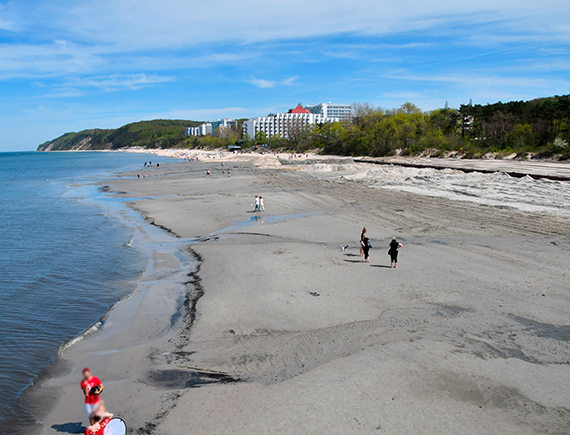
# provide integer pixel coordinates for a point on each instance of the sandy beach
(250, 323)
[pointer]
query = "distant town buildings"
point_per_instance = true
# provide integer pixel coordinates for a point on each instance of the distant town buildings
(223, 125)
(329, 110)
(283, 124)
(218, 127)
(201, 130)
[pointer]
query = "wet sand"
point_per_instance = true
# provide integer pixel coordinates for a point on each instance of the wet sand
(273, 329)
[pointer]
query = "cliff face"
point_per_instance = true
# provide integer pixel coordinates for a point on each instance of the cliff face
(81, 141)
(159, 133)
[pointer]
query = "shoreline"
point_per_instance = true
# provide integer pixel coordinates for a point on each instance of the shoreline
(296, 337)
(41, 388)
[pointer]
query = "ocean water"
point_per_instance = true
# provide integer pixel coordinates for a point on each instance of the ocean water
(64, 260)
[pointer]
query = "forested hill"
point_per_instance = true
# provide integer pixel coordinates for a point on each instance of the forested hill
(159, 133)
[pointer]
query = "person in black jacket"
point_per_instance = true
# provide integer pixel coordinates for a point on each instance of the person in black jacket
(393, 252)
(365, 244)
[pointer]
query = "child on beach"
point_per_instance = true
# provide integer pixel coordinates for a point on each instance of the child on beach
(98, 424)
(101, 411)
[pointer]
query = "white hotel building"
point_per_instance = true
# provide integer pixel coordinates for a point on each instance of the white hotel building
(329, 110)
(201, 130)
(282, 123)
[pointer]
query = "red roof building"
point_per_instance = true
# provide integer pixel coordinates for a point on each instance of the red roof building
(298, 109)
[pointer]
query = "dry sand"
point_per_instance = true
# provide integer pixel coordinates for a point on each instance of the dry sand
(470, 335)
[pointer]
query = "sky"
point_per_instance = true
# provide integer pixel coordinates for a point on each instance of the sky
(72, 65)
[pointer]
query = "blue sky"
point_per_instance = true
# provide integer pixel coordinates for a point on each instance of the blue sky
(71, 65)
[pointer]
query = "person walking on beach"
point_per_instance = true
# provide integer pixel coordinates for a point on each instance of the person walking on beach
(393, 252)
(92, 388)
(362, 234)
(208, 173)
(256, 203)
(262, 204)
(366, 245)
(229, 173)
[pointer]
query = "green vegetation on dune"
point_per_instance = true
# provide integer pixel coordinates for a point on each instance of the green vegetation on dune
(539, 126)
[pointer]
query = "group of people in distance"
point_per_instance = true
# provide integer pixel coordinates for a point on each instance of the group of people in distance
(97, 414)
(229, 172)
(259, 204)
(146, 165)
(365, 246)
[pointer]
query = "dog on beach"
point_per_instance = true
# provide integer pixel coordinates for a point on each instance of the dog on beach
(343, 248)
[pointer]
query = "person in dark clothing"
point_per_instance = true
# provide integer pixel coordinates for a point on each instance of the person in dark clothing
(393, 252)
(365, 243)
(362, 234)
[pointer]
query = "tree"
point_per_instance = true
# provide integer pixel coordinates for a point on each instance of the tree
(260, 138)
(247, 140)
(361, 110)
(520, 137)
(498, 127)
(409, 108)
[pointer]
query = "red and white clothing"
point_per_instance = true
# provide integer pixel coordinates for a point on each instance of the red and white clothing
(91, 400)
(102, 425)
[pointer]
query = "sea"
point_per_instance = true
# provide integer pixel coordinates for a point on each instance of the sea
(65, 260)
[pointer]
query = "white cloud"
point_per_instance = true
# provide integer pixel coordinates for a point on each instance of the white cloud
(78, 87)
(117, 82)
(7, 25)
(175, 23)
(7, 21)
(46, 60)
(263, 83)
(483, 79)
(169, 35)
